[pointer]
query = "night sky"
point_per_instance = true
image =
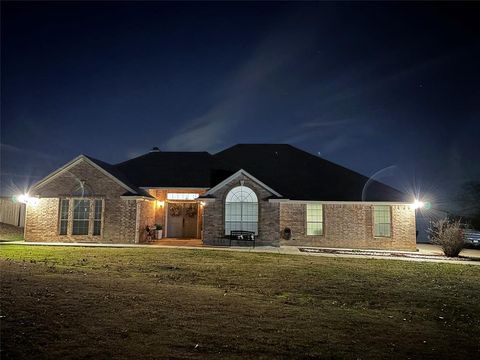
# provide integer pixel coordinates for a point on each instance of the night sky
(390, 90)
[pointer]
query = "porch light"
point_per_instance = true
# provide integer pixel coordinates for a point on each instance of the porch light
(160, 203)
(202, 203)
(27, 199)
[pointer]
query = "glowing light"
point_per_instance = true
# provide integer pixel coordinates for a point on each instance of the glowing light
(182, 196)
(202, 203)
(27, 199)
(160, 203)
(417, 204)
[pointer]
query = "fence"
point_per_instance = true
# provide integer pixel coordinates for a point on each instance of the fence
(12, 213)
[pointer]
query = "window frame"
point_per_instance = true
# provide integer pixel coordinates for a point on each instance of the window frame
(91, 216)
(390, 223)
(322, 220)
(242, 205)
(60, 216)
(81, 221)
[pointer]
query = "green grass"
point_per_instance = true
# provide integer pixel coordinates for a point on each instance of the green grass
(65, 302)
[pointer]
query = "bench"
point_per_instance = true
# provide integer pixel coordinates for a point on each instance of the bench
(242, 235)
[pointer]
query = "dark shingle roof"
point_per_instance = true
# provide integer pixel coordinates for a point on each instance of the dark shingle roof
(294, 173)
(299, 175)
(169, 169)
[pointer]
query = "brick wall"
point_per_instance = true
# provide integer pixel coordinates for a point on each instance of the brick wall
(146, 216)
(268, 215)
(345, 225)
(349, 226)
(42, 220)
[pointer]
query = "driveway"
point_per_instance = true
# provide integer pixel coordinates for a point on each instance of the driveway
(429, 249)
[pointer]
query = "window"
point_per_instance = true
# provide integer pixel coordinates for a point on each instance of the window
(382, 220)
(182, 196)
(81, 217)
(63, 216)
(241, 210)
(314, 219)
(97, 219)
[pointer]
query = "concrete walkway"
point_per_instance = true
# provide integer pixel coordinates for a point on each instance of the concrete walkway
(436, 250)
(425, 253)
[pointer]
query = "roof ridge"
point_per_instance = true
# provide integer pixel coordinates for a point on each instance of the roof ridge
(159, 154)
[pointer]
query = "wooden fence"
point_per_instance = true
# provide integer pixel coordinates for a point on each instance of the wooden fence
(12, 213)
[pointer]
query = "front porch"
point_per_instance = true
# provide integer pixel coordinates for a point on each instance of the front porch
(177, 242)
(178, 214)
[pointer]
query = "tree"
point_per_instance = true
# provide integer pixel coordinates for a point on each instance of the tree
(448, 234)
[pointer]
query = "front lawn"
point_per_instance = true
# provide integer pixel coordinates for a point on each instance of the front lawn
(84, 303)
(10, 233)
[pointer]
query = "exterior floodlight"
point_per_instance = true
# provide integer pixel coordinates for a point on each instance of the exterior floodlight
(417, 204)
(27, 199)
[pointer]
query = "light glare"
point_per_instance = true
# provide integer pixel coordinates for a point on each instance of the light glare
(27, 199)
(417, 204)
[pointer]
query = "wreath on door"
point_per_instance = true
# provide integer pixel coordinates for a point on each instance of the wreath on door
(175, 210)
(191, 210)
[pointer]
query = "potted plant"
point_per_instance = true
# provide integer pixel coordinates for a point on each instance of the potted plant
(158, 231)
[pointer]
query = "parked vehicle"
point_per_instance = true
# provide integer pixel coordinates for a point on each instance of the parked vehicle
(472, 237)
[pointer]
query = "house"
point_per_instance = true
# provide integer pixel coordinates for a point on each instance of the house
(284, 195)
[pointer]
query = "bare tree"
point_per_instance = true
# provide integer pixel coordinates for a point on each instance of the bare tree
(448, 234)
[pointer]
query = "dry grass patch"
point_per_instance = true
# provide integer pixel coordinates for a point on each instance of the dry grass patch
(10, 232)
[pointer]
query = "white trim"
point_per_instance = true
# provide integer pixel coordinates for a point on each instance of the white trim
(243, 190)
(136, 197)
(172, 187)
(165, 215)
(339, 202)
(238, 173)
(68, 165)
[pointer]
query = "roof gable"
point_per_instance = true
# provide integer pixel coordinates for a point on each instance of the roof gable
(93, 162)
(234, 176)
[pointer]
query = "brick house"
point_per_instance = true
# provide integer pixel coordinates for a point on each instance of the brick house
(273, 190)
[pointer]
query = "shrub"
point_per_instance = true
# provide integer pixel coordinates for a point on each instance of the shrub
(448, 234)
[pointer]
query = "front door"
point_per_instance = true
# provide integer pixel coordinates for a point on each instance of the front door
(182, 220)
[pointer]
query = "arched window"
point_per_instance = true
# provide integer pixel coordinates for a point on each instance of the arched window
(241, 210)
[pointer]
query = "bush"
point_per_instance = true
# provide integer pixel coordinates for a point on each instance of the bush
(448, 234)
